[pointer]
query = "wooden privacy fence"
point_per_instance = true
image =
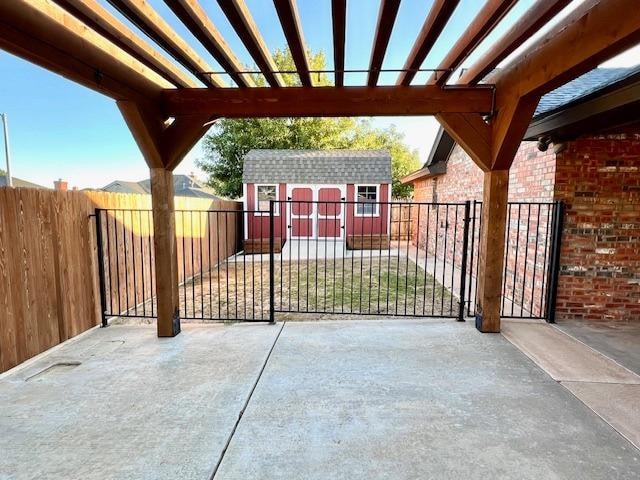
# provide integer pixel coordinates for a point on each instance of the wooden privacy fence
(49, 288)
(401, 222)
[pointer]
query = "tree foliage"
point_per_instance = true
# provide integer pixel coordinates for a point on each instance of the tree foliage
(231, 139)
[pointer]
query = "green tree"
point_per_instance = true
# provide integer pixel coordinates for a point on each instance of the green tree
(231, 139)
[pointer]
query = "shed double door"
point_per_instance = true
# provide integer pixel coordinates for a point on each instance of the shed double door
(317, 212)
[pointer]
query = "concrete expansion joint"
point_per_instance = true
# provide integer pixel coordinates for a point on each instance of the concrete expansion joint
(246, 402)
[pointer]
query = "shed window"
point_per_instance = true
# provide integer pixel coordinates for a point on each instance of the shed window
(367, 193)
(266, 193)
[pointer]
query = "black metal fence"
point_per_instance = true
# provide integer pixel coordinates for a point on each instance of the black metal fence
(330, 258)
(126, 263)
(532, 250)
(339, 258)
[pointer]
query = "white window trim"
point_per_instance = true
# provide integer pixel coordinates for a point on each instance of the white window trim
(376, 204)
(276, 210)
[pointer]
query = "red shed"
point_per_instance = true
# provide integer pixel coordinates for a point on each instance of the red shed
(355, 184)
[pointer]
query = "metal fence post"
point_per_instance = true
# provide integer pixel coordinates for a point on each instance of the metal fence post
(554, 268)
(101, 278)
(463, 266)
(272, 315)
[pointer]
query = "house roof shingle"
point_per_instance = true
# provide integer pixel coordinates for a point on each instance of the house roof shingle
(317, 166)
(183, 186)
(19, 183)
(583, 86)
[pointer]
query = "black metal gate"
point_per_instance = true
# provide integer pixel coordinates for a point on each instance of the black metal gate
(531, 264)
(329, 258)
(353, 258)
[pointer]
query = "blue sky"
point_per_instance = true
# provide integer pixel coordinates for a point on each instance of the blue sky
(60, 129)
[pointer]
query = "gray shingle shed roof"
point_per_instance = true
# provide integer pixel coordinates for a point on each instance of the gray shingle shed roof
(317, 166)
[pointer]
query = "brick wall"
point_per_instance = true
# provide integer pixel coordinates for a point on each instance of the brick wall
(599, 179)
(531, 179)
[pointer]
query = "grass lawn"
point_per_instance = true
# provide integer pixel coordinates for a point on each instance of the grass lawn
(356, 285)
(328, 288)
(363, 286)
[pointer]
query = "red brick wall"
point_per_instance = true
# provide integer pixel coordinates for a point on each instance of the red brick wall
(531, 179)
(599, 179)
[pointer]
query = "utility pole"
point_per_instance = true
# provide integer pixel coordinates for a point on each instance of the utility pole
(5, 125)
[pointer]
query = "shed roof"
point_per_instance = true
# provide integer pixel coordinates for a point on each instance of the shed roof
(317, 166)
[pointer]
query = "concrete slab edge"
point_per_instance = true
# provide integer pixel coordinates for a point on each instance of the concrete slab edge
(637, 446)
(30, 361)
(594, 350)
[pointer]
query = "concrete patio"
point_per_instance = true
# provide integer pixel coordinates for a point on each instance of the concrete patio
(337, 399)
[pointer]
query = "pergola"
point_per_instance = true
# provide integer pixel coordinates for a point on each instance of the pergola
(168, 110)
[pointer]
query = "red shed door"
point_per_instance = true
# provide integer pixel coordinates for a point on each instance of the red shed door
(330, 214)
(302, 212)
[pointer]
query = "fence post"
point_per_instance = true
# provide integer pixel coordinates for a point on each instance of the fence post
(554, 268)
(463, 266)
(272, 315)
(101, 278)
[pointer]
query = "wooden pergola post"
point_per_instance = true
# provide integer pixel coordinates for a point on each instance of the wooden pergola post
(492, 248)
(166, 259)
(492, 144)
(163, 145)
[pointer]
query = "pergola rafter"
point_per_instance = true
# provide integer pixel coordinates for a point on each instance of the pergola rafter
(141, 14)
(242, 22)
(530, 22)
(167, 115)
(484, 23)
(386, 19)
(290, 21)
(193, 16)
(439, 15)
(92, 14)
(339, 21)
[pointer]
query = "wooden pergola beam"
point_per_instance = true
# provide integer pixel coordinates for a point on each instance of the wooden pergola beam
(92, 14)
(47, 35)
(193, 16)
(487, 19)
(290, 21)
(386, 19)
(141, 14)
(529, 23)
(594, 32)
(327, 101)
(439, 15)
(338, 21)
(242, 22)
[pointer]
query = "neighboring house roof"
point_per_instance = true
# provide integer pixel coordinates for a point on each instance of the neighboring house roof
(19, 183)
(121, 186)
(183, 186)
(317, 166)
(571, 109)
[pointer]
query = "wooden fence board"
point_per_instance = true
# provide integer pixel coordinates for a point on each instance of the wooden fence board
(48, 261)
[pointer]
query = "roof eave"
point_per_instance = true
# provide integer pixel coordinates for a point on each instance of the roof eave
(583, 115)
